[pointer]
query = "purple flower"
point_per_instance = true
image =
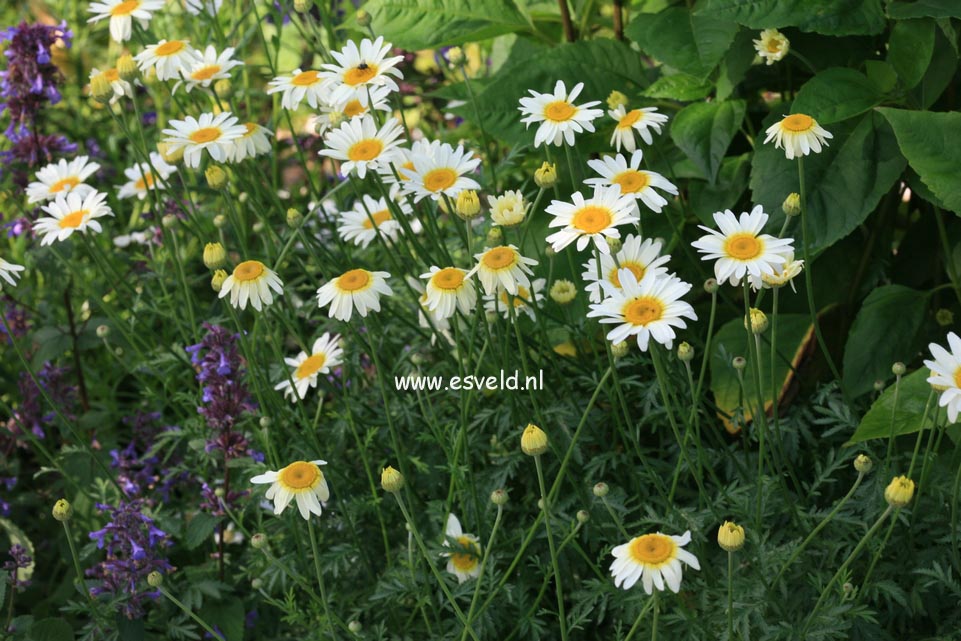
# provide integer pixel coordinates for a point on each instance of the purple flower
(30, 78)
(138, 471)
(19, 559)
(29, 413)
(16, 317)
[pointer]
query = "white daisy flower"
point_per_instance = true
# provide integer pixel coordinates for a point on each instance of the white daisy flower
(70, 213)
(251, 280)
(645, 309)
(772, 46)
(299, 85)
(440, 172)
(119, 86)
(207, 68)
(210, 7)
(215, 133)
(142, 177)
(798, 134)
(633, 181)
(501, 301)
(557, 114)
(367, 219)
(356, 288)
(254, 142)
(447, 290)
(782, 275)
(740, 248)
(375, 98)
(169, 58)
(425, 318)
(636, 254)
(9, 271)
(464, 562)
(946, 374)
(301, 480)
(654, 559)
(122, 14)
(325, 354)
(594, 219)
(503, 266)
(403, 163)
(61, 178)
(360, 67)
(639, 120)
(360, 145)
(508, 209)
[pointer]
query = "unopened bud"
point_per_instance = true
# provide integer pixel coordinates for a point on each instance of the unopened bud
(294, 217)
(792, 204)
(685, 353)
(878, 385)
(620, 349)
(756, 321)
(155, 579)
(216, 177)
(391, 480)
(601, 489)
(711, 286)
(944, 317)
(614, 245)
(363, 18)
(455, 55)
(468, 204)
(101, 89)
(215, 256)
(546, 176)
(302, 6)
(103, 331)
(220, 221)
(583, 516)
(499, 497)
(495, 236)
(257, 583)
(616, 99)
(898, 369)
(730, 536)
(258, 541)
(127, 67)
(739, 363)
(265, 422)
(217, 280)
(223, 87)
(170, 154)
(863, 463)
(533, 440)
(563, 292)
(899, 492)
(169, 221)
(62, 510)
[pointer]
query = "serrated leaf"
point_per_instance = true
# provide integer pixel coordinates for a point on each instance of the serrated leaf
(679, 86)
(895, 312)
(199, 530)
(925, 9)
(686, 41)
(425, 24)
(910, 48)
(913, 393)
(930, 142)
(836, 94)
(704, 131)
(51, 629)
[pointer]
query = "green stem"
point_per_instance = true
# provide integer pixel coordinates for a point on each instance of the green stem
(545, 507)
(320, 577)
(483, 567)
(76, 559)
(730, 595)
(203, 624)
(637, 621)
(654, 619)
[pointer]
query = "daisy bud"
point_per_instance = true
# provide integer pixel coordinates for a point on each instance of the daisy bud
(533, 440)
(155, 579)
(223, 87)
(614, 244)
(172, 156)
(499, 497)
(944, 317)
(468, 204)
(878, 386)
(563, 291)
(62, 510)
(616, 99)
(103, 331)
(391, 480)
(899, 492)
(549, 252)
(294, 217)
(169, 221)
(601, 489)
(257, 583)
(710, 285)
(739, 363)
(863, 463)
(546, 176)
(848, 587)
(334, 118)
(730, 536)
(620, 349)
(363, 19)
(220, 221)
(495, 237)
(898, 369)
(540, 504)
(216, 177)
(758, 321)
(302, 6)
(490, 317)
(455, 56)
(127, 68)
(100, 89)
(685, 353)
(792, 204)
(258, 541)
(220, 493)
(257, 227)
(583, 516)
(215, 256)
(355, 626)
(217, 280)
(417, 359)
(265, 422)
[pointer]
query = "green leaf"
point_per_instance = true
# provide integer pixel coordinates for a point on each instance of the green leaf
(882, 74)
(130, 629)
(860, 165)
(836, 94)
(930, 142)
(704, 130)
(679, 86)
(228, 616)
(925, 9)
(51, 629)
(731, 183)
(895, 312)
(199, 530)
(910, 48)
(829, 17)
(689, 42)
(424, 24)
(735, 64)
(913, 393)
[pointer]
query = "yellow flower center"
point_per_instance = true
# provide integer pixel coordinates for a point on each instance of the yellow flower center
(169, 48)
(592, 219)
(112, 75)
(353, 280)
(636, 268)
(499, 258)
(206, 73)
(449, 278)
(465, 561)
(311, 366)
(125, 8)
(366, 149)
(797, 123)
(354, 108)
(523, 294)
(743, 246)
(774, 45)
(146, 182)
(360, 74)
(630, 119)
(63, 184)
(205, 134)
(631, 181)
(379, 217)
(299, 475)
(559, 111)
(73, 219)
(439, 179)
(643, 310)
(652, 549)
(305, 78)
(957, 377)
(249, 270)
(251, 129)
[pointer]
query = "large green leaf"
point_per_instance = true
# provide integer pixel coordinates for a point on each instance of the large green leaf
(422, 24)
(895, 312)
(735, 64)
(860, 165)
(910, 48)
(199, 530)
(925, 9)
(51, 629)
(881, 421)
(836, 94)
(704, 130)
(706, 199)
(830, 17)
(679, 86)
(930, 143)
(686, 41)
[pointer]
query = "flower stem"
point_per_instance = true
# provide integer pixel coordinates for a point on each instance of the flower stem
(637, 621)
(730, 595)
(480, 576)
(654, 618)
(193, 615)
(76, 559)
(545, 507)
(320, 577)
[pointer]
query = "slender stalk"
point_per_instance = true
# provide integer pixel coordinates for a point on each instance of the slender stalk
(483, 567)
(730, 594)
(546, 508)
(894, 412)
(76, 559)
(637, 621)
(566, 20)
(193, 615)
(320, 577)
(654, 619)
